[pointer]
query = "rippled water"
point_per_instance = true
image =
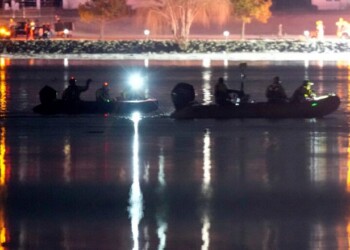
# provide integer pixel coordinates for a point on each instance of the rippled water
(109, 182)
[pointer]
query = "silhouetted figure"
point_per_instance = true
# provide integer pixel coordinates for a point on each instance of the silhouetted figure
(72, 93)
(275, 92)
(102, 94)
(223, 93)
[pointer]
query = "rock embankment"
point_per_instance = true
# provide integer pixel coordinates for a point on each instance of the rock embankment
(37, 47)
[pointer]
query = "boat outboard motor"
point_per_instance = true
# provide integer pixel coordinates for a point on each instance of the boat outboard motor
(182, 95)
(47, 95)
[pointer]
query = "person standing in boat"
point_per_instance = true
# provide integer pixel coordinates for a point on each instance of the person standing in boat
(222, 93)
(275, 92)
(304, 92)
(102, 94)
(72, 93)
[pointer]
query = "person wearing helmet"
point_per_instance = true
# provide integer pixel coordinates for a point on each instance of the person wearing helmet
(102, 94)
(304, 92)
(275, 92)
(72, 93)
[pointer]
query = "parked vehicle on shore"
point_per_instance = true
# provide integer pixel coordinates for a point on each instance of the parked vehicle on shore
(63, 29)
(30, 30)
(18, 29)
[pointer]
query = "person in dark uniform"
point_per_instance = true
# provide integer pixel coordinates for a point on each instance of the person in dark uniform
(222, 93)
(72, 93)
(102, 94)
(275, 92)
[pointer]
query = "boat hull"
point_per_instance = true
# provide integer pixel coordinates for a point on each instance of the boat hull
(308, 109)
(92, 107)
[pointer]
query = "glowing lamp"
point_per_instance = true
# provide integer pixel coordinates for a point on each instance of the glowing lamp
(146, 32)
(226, 34)
(66, 32)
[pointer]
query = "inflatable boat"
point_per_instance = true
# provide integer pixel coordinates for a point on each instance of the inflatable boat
(187, 108)
(51, 105)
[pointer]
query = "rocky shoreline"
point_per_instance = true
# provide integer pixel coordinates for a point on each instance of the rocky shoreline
(77, 47)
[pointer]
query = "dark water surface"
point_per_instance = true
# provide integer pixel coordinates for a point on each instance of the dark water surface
(109, 182)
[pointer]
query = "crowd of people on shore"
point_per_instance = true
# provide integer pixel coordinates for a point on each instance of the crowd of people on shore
(32, 29)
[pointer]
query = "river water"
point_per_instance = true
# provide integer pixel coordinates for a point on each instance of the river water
(109, 182)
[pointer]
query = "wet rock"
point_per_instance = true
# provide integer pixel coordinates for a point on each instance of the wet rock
(149, 46)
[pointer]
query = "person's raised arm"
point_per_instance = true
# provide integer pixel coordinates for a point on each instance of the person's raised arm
(88, 81)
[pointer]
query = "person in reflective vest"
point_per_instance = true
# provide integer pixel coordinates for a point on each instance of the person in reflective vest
(304, 92)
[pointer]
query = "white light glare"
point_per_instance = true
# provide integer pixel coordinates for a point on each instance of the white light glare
(65, 62)
(136, 117)
(136, 81)
(206, 62)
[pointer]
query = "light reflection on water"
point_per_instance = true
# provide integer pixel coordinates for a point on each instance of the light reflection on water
(245, 184)
(343, 73)
(318, 146)
(206, 191)
(136, 198)
(207, 91)
(208, 229)
(3, 86)
(161, 214)
(67, 165)
(4, 170)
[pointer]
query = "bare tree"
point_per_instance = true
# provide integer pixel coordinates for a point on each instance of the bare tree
(102, 11)
(246, 10)
(179, 15)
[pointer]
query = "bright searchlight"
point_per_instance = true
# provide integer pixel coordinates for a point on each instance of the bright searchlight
(136, 81)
